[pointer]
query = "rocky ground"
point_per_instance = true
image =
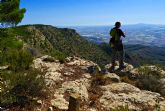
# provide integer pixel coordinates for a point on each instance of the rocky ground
(98, 91)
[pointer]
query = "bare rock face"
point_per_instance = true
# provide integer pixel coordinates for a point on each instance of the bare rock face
(77, 86)
(122, 94)
(59, 102)
(70, 87)
(51, 68)
(88, 66)
(111, 77)
(76, 75)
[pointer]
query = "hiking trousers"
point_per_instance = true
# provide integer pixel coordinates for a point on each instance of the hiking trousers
(118, 53)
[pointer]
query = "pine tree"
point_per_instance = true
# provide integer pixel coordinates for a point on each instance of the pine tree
(10, 13)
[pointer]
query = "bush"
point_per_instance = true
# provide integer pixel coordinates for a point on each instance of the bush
(17, 59)
(9, 41)
(149, 79)
(22, 87)
(59, 56)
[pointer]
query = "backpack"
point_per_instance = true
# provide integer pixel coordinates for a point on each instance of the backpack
(112, 39)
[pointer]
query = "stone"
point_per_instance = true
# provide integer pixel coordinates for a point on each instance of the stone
(74, 102)
(77, 86)
(60, 103)
(4, 67)
(50, 109)
(122, 94)
(111, 77)
(39, 102)
(82, 63)
(51, 70)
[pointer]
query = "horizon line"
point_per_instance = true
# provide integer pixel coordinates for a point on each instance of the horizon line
(92, 25)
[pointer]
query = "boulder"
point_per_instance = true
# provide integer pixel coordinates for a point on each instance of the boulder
(51, 69)
(111, 77)
(78, 86)
(88, 66)
(59, 102)
(122, 94)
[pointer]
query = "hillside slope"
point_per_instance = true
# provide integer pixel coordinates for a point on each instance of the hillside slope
(140, 54)
(147, 54)
(63, 42)
(49, 40)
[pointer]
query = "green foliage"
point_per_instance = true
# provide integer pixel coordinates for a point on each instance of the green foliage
(58, 55)
(9, 41)
(11, 52)
(10, 13)
(157, 106)
(122, 108)
(149, 79)
(60, 43)
(21, 87)
(70, 43)
(18, 59)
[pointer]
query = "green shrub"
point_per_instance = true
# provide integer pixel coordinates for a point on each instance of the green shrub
(9, 41)
(17, 59)
(22, 87)
(59, 56)
(149, 79)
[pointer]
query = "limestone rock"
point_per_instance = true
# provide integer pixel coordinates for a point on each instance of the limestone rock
(77, 86)
(60, 103)
(121, 88)
(4, 67)
(83, 64)
(119, 94)
(74, 102)
(111, 77)
(50, 68)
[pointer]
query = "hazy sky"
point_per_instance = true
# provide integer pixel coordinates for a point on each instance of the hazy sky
(93, 12)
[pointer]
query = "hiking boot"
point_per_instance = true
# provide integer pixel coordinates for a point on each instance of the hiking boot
(121, 67)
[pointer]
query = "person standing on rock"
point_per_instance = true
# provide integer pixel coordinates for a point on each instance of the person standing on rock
(117, 46)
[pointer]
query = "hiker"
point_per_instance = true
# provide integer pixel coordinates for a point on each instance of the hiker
(117, 46)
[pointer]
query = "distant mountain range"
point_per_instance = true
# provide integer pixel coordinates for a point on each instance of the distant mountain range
(141, 34)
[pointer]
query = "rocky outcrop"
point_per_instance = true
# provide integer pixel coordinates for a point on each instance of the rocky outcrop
(122, 94)
(151, 67)
(111, 77)
(73, 77)
(51, 70)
